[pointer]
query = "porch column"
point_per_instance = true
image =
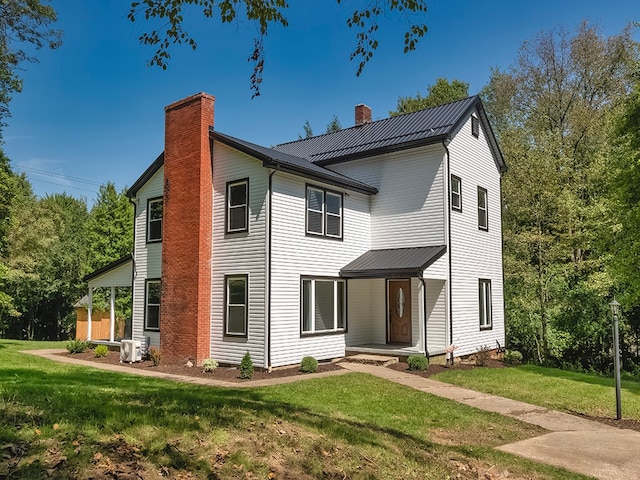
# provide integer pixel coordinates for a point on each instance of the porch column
(422, 314)
(112, 314)
(89, 308)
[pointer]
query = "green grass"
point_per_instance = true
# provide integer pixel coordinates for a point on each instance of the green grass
(552, 388)
(65, 421)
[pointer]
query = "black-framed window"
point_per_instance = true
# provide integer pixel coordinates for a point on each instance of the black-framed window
(238, 206)
(236, 301)
(456, 193)
(324, 212)
(154, 219)
(475, 126)
(483, 215)
(152, 295)
(323, 305)
(484, 304)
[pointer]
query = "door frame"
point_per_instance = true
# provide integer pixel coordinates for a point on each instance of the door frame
(388, 311)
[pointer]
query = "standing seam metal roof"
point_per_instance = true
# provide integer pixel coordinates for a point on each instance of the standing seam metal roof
(395, 261)
(430, 124)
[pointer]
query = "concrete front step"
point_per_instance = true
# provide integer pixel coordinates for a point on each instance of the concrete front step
(381, 360)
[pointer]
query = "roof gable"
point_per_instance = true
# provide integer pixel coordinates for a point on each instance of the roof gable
(410, 130)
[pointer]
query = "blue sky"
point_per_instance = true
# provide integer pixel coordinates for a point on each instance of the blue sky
(92, 111)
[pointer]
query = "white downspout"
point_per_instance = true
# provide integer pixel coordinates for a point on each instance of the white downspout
(89, 309)
(112, 315)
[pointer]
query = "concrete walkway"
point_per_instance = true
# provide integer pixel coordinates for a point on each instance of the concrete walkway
(574, 443)
(580, 445)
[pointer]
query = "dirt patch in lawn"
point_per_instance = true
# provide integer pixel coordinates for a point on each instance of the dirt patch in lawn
(225, 374)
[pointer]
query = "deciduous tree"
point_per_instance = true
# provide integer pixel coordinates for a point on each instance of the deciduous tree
(439, 93)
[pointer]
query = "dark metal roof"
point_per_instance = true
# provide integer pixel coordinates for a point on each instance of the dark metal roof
(403, 131)
(144, 178)
(393, 262)
(108, 267)
(292, 164)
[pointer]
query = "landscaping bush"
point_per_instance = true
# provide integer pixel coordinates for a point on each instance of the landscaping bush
(246, 366)
(309, 365)
(512, 357)
(154, 355)
(77, 346)
(101, 351)
(483, 355)
(418, 362)
(209, 365)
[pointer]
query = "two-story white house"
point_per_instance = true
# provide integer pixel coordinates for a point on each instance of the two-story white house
(382, 237)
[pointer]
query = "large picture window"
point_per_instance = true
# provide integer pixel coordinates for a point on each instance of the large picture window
(324, 212)
(323, 305)
(236, 305)
(238, 206)
(456, 193)
(154, 220)
(483, 217)
(484, 302)
(152, 305)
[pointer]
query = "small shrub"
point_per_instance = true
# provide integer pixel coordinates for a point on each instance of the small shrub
(483, 354)
(154, 355)
(418, 362)
(512, 357)
(77, 346)
(246, 366)
(209, 365)
(101, 351)
(309, 365)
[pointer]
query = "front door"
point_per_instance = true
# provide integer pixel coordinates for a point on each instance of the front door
(399, 298)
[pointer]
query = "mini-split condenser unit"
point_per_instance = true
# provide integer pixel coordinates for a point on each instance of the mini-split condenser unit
(130, 351)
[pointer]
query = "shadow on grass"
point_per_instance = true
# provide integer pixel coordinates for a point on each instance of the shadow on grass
(94, 404)
(592, 379)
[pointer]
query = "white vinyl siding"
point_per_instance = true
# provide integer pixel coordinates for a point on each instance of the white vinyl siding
(409, 209)
(436, 316)
(147, 258)
(475, 253)
(239, 254)
(294, 254)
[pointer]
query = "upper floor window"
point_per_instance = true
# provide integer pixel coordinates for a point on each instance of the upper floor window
(154, 220)
(152, 305)
(324, 212)
(483, 218)
(475, 126)
(484, 303)
(456, 193)
(238, 206)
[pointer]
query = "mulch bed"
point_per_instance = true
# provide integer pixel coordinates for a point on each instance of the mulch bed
(225, 374)
(435, 369)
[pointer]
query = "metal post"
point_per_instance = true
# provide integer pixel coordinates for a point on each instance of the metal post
(616, 365)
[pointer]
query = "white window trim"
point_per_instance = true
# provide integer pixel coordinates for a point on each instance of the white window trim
(229, 207)
(485, 304)
(312, 299)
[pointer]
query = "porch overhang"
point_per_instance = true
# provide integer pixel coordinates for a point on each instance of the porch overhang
(393, 262)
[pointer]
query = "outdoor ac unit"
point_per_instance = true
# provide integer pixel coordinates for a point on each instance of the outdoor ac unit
(130, 351)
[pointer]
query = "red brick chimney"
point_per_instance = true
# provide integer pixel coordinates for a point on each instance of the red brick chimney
(186, 230)
(363, 114)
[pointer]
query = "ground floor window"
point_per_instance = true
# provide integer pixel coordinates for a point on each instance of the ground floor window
(152, 305)
(236, 305)
(484, 297)
(323, 305)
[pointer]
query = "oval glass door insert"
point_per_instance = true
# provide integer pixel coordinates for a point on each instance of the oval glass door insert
(400, 299)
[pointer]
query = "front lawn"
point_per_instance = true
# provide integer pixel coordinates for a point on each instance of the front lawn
(64, 421)
(552, 388)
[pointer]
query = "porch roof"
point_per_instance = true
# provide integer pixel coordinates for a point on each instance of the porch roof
(393, 262)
